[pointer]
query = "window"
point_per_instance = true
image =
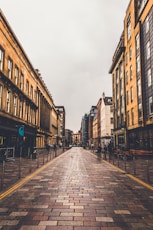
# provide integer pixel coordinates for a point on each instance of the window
(16, 75)
(111, 120)
(121, 101)
(26, 113)
(21, 109)
(117, 74)
(121, 84)
(27, 87)
(150, 105)
(31, 92)
(10, 66)
(149, 77)
(131, 94)
(147, 24)
(137, 42)
(129, 27)
(21, 82)
(131, 72)
(1, 59)
(122, 120)
(34, 117)
(127, 97)
(35, 96)
(140, 110)
(111, 110)
(128, 118)
(139, 87)
(8, 99)
(148, 49)
(117, 90)
(121, 69)
(126, 77)
(138, 64)
(30, 115)
(126, 58)
(1, 93)
(130, 52)
(132, 116)
(15, 106)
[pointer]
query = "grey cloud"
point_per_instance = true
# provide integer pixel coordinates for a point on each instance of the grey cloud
(72, 43)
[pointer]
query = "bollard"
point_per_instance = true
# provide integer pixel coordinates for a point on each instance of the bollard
(37, 159)
(30, 156)
(30, 163)
(20, 162)
(148, 175)
(47, 154)
(2, 175)
(113, 158)
(43, 158)
(50, 154)
(134, 165)
(118, 164)
(125, 159)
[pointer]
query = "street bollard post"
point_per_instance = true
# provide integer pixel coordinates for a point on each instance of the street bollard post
(148, 174)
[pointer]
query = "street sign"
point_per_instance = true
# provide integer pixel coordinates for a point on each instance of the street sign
(21, 131)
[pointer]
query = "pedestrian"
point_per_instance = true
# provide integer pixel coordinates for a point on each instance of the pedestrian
(105, 151)
(99, 152)
(92, 147)
(110, 149)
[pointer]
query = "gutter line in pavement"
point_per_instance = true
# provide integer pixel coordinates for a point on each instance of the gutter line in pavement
(129, 175)
(132, 177)
(20, 183)
(27, 178)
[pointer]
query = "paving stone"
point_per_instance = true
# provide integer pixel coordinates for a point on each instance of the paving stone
(78, 193)
(104, 219)
(48, 223)
(3, 210)
(9, 222)
(19, 214)
(122, 212)
(70, 223)
(26, 227)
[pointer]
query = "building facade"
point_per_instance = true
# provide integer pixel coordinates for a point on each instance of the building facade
(119, 97)
(68, 138)
(132, 62)
(91, 115)
(106, 121)
(84, 130)
(24, 98)
(61, 124)
(76, 139)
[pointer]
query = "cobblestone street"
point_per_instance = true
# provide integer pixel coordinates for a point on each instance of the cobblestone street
(76, 191)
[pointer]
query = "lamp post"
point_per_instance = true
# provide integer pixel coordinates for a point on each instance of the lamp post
(21, 137)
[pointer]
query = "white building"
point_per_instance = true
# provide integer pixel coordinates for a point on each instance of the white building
(106, 120)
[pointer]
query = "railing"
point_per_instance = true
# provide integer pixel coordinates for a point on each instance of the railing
(14, 168)
(136, 162)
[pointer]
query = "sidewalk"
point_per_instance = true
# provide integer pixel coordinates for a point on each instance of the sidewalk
(13, 171)
(76, 191)
(141, 166)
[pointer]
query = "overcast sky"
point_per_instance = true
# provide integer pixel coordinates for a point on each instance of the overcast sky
(71, 42)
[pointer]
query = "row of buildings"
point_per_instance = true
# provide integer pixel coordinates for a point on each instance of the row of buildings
(132, 86)
(24, 99)
(97, 124)
(132, 78)
(126, 118)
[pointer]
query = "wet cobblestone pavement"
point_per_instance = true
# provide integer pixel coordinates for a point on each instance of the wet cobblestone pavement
(76, 191)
